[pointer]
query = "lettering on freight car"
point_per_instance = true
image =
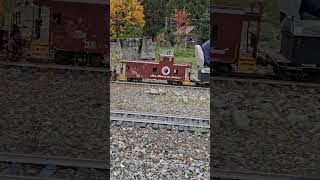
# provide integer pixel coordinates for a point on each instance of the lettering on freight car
(90, 44)
(79, 34)
(161, 76)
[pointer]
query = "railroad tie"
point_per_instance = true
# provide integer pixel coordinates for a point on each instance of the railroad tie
(157, 121)
(12, 169)
(48, 171)
(82, 174)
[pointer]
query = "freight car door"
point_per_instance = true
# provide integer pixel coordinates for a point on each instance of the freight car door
(227, 38)
(40, 33)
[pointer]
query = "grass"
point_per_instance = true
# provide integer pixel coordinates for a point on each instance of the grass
(198, 131)
(181, 55)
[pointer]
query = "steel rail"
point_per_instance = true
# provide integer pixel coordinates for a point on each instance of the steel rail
(193, 86)
(52, 66)
(58, 161)
(250, 175)
(265, 81)
(159, 119)
(12, 177)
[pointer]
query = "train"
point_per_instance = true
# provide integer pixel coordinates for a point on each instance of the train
(235, 36)
(65, 32)
(166, 70)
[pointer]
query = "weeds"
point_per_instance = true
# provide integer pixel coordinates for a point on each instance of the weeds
(199, 131)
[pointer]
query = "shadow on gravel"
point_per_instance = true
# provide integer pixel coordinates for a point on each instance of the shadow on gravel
(277, 130)
(54, 113)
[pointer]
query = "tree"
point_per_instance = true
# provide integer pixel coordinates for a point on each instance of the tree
(154, 15)
(195, 8)
(204, 27)
(125, 15)
(180, 21)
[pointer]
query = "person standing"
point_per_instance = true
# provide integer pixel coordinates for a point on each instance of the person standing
(310, 9)
(206, 52)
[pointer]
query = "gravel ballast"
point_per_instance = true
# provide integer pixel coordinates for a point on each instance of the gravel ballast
(158, 154)
(145, 153)
(56, 113)
(278, 131)
(166, 100)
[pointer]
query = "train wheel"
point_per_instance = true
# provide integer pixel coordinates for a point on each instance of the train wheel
(304, 76)
(62, 58)
(81, 61)
(282, 75)
(96, 61)
(222, 68)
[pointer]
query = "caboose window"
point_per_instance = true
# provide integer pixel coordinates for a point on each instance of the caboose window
(154, 70)
(128, 67)
(175, 71)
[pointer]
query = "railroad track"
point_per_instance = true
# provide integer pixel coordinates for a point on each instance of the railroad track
(250, 175)
(31, 167)
(158, 84)
(249, 79)
(29, 65)
(52, 66)
(265, 81)
(156, 120)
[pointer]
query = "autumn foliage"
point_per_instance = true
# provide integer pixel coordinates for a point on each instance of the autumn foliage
(125, 14)
(180, 22)
(180, 19)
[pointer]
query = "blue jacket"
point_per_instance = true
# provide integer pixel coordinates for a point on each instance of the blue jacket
(311, 6)
(206, 52)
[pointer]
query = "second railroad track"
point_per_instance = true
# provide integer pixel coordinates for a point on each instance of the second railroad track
(32, 167)
(157, 121)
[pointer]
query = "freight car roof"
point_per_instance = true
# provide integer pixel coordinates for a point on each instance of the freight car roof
(234, 11)
(154, 63)
(106, 2)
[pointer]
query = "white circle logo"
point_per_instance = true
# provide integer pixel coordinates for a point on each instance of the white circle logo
(165, 70)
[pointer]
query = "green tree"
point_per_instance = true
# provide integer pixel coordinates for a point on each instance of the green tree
(204, 27)
(155, 13)
(131, 31)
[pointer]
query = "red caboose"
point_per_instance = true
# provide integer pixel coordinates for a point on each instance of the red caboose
(78, 30)
(166, 69)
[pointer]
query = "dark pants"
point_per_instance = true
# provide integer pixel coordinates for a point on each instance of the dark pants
(309, 16)
(282, 16)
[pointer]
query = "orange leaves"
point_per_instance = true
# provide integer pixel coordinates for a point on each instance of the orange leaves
(124, 13)
(180, 19)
